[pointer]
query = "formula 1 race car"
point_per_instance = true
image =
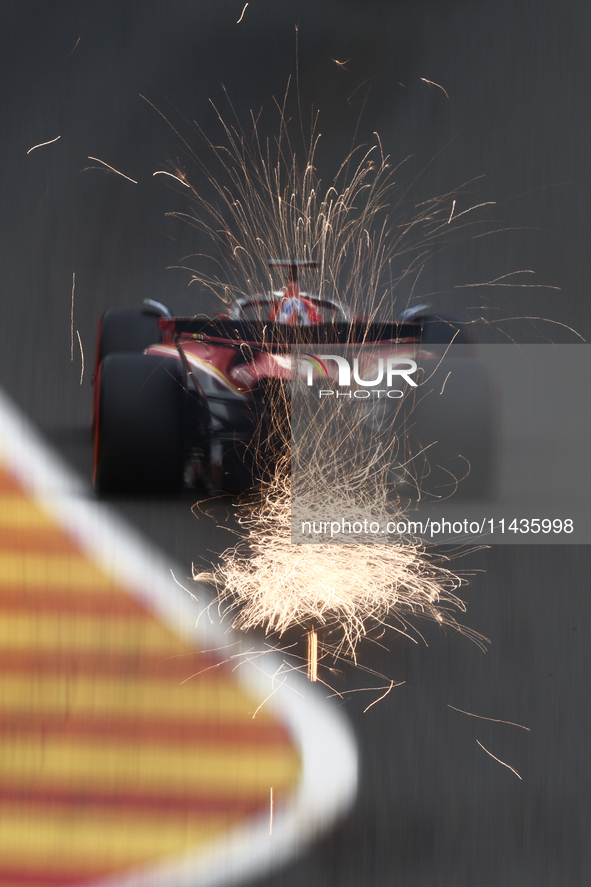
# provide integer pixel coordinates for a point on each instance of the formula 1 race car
(178, 401)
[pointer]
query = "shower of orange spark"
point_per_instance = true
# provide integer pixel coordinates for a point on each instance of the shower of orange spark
(345, 590)
(368, 240)
(370, 243)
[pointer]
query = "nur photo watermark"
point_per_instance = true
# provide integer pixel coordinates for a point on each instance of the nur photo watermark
(394, 441)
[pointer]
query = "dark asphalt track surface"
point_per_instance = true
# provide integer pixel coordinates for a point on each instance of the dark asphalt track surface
(434, 808)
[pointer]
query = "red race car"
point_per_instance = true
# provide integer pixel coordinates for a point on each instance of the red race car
(178, 400)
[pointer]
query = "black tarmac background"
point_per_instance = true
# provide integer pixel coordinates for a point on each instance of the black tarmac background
(434, 808)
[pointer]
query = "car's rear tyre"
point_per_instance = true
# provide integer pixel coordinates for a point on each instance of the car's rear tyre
(123, 330)
(126, 330)
(140, 429)
(451, 431)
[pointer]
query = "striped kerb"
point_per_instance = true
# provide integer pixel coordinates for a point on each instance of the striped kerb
(120, 745)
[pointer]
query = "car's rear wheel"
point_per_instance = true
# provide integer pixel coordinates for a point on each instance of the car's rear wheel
(126, 330)
(140, 442)
(123, 330)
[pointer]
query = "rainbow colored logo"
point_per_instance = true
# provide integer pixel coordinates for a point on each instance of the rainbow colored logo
(316, 363)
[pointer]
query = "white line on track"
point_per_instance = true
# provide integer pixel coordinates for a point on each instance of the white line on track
(328, 781)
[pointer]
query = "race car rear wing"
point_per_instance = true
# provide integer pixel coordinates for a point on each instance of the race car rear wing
(267, 333)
